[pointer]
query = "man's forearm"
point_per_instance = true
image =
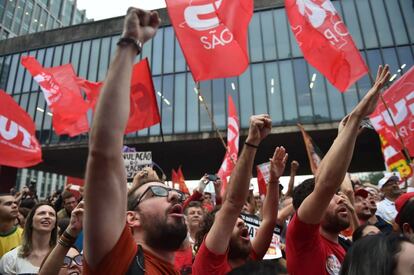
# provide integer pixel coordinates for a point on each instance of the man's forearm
(271, 203)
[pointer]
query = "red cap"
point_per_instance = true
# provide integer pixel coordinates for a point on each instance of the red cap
(400, 202)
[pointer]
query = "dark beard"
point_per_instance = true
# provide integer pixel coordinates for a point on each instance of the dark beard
(161, 235)
(238, 251)
(335, 224)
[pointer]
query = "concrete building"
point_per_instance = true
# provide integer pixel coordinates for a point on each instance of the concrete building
(20, 17)
(278, 81)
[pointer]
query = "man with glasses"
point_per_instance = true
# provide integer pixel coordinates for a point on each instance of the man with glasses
(138, 232)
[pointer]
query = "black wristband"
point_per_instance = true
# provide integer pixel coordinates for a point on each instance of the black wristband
(128, 40)
(251, 145)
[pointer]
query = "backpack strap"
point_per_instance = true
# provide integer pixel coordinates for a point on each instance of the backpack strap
(137, 267)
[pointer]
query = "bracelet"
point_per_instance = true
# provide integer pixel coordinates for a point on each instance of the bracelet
(128, 40)
(251, 145)
(63, 243)
(68, 236)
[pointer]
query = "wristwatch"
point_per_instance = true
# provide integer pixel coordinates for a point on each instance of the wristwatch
(123, 41)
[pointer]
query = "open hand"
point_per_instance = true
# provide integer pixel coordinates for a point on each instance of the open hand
(277, 164)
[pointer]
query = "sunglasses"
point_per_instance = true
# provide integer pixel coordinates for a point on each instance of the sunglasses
(67, 261)
(159, 191)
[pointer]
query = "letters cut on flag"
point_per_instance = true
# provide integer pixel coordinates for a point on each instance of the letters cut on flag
(400, 100)
(62, 95)
(18, 144)
(212, 35)
(325, 41)
(230, 158)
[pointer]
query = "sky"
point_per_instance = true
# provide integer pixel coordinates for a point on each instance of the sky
(102, 9)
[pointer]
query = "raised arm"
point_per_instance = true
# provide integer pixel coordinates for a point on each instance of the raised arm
(334, 165)
(217, 240)
(294, 166)
(106, 190)
(54, 260)
(271, 203)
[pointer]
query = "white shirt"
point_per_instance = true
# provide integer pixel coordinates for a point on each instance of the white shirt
(386, 210)
(12, 264)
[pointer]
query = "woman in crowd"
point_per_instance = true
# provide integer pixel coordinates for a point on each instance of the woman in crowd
(65, 259)
(380, 255)
(39, 237)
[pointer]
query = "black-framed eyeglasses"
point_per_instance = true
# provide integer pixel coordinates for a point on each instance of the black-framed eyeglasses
(67, 261)
(159, 191)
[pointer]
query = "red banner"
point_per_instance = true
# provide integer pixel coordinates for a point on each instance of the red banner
(178, 178)
(395, 160)
(325, 41)
(400, 101)
(62, 95)
(18, 144)
(212, 35)
(230, 158)
(313, 152)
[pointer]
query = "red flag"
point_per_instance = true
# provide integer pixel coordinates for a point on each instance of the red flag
(62, 95)
(76, 185)
(18, 144)
(144, 108)
(400, 100)
(263, 175)
(212, 35)
(230, 158)
(314, 154)
(178, 177)
(325, 41)
(395, 160)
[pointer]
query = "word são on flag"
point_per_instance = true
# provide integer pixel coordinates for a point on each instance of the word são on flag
(212, 35)
(18, 144)
(325, 41)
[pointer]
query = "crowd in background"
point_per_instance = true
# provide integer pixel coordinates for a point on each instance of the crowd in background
(329, 224)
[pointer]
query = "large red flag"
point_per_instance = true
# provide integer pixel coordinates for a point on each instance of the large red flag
(400, 100)
(230, 158)
(325, 41)
(178, 178)
(144, 108)
(212, 35)
(62, 95)
(18, 144)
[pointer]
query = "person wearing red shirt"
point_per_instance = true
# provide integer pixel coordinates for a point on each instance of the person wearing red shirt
(136, 232)
(223, 243)
(312, 237)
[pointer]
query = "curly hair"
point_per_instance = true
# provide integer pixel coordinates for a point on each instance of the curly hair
(205, 227)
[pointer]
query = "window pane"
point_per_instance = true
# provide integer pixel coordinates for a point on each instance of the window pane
(407, 8)
(259, 89)
(168, 50)
(319, 97)
(274, 92)
(179, 103)
(155, 130)
(351, 20)
(84, 60)
(157, 53)
(335, 102)
(167, 111)
(12, 73)
(104, 58)
(246, 107)
(179, 58)
(93, 61)
(192, 105)
(282, 36)
(288, 92)
(219, 103)
(205, 122)
(255, 39)
(364, 13)
(303, 90)
(268, 35)
(382, 23)
(397, 24)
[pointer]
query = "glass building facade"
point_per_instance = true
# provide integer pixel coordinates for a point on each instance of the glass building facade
(20, 17)
(278, 81)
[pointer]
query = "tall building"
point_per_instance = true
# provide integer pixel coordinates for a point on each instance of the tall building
(278, 81)
(20, 17)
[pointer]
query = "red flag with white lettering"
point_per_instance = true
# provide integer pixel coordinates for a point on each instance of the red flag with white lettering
(62, 95)
(400, 100)
(212, 35)
(325, 41)
(230, 158)
(18, 144)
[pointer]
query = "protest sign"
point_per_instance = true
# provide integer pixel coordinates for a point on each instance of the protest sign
(135, 161)
(253, 223)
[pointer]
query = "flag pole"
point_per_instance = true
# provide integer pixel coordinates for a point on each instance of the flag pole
(405, 150)
(212, 119)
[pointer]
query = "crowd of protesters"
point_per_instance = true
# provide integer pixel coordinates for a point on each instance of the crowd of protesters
(330, 224)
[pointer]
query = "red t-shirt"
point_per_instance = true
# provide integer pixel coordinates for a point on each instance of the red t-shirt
(183, 260)
(118, 260)
(208, 263)
(308, 252)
